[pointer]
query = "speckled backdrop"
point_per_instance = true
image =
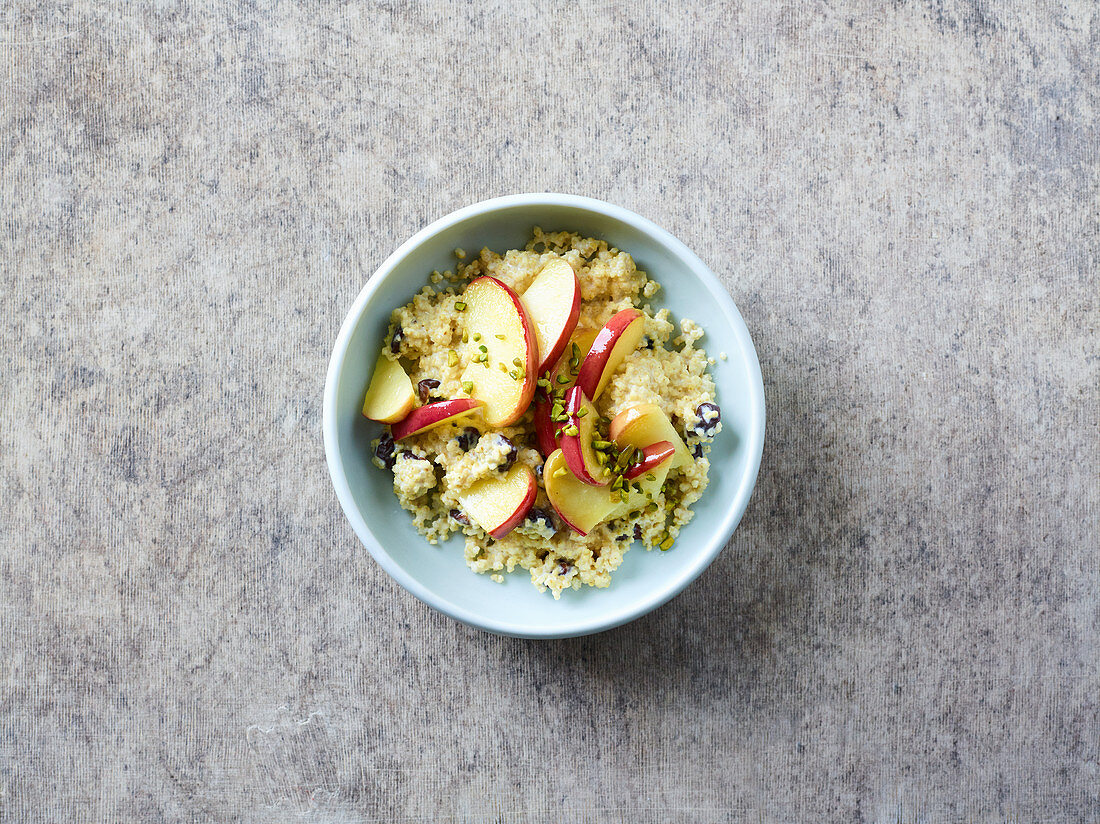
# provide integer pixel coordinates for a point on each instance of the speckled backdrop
(902, 199)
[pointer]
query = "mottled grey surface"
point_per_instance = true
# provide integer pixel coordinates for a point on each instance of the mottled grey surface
(901, 197)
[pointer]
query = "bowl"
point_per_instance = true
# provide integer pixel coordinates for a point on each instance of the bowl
(437, 574)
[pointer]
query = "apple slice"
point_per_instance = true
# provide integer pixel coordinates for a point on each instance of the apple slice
(498, 504)
(644, 424)
(576, 440)
(652, 456)
(432, 415)
(582, 339)
(501, 333)
(390, 396)
(544, 427)
(553, 302)
(618, 338)
(582, 506)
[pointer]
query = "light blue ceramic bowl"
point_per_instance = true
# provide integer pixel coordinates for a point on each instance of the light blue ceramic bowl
(438, 575)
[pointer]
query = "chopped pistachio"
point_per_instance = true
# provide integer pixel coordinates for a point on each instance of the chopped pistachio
(452, 357)
(562, 379)
(460, 305)
(477, 336)
(666, 544)
(482, 348)
(501, 337)
(467, 387)
(503, 368)
(571, 430)
(517, 362)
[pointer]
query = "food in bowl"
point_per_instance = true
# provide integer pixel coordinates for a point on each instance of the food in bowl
(536, 403)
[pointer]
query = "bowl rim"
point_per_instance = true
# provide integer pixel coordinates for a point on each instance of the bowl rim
(667, 589)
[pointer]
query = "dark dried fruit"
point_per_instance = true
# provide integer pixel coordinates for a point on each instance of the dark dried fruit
(648, 342)
(425, 388)
(397, 339)
(538, 472)
(510, 458)
(460, 516)
(637, 532)
(467, 438)
(697, 450)
(709, 418)
(540, 516)
(408, 455)
(384, 450)
(564, 567)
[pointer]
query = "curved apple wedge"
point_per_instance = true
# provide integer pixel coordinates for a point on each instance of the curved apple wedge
(432, 415)
(390, 396)
(576, 440)
(497, 320)
(652, 456)
(498, 504)
(644, 424)
(582, 506)
(553, 302)
(618, 338)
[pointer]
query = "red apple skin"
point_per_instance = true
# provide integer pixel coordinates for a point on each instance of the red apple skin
(544, 427)
(517, 517)
(431, 415)
(577, 457)
(596, 362)
(530, 373)
(652, 456)
(549, 358)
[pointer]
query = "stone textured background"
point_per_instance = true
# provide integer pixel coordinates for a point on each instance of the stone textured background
(901, 197)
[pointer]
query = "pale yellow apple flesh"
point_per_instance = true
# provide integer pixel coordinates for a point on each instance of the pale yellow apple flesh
(637, 499)
(644, 424)
(498, 504)
(390, 396)
(553, 302)
(582, 339)
(497, 321)
(582, 506)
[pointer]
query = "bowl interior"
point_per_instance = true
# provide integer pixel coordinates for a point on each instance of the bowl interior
(438, 574)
